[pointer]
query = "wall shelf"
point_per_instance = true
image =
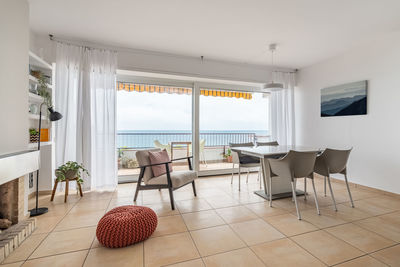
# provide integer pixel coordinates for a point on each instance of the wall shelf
(36, 117)
(42, 144)
(34, 98)
(36, 61)
(34, 79)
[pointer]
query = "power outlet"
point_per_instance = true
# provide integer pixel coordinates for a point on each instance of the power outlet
(31, 180)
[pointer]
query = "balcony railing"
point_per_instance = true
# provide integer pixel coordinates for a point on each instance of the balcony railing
(213, 139)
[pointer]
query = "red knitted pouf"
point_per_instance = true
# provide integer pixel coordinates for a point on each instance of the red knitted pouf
(126, 225)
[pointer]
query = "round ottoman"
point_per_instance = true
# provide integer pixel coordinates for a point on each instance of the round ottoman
(126, 225)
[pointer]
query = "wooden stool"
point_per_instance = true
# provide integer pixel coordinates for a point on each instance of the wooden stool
(66, 188)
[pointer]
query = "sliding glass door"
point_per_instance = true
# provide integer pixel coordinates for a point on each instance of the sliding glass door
(152, 115)
(229, 116)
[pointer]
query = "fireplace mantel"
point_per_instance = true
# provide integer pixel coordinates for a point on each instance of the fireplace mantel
(15, 165)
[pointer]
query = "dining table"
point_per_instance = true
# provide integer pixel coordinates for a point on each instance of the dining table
(280, 187)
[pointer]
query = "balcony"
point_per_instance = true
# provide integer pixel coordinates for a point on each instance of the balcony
(213, 147)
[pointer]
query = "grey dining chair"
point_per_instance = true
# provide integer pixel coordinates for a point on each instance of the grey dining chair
(333, 161)
(293, 166)
(243, 161)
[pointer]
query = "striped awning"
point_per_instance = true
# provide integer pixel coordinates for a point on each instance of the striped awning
(136, 87)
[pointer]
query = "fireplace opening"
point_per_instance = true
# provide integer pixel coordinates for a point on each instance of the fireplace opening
(11, 202)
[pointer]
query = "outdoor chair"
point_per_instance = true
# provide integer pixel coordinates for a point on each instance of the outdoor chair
(167, 147)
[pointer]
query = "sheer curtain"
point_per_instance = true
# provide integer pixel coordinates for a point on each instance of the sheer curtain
(85, 95)
(282, 109)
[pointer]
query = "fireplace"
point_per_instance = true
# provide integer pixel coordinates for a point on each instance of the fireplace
(15, 223)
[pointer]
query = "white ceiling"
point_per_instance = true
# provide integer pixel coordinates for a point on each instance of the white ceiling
(306, 31)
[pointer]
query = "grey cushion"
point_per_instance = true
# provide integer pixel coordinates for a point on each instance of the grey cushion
(143, 159)
(178, 178)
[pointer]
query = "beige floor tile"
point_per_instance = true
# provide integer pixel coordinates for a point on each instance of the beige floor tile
(222, 202)
(216, 240)
(15, 264)
(371, 207)
(256, 231)
(74, 259)
(288, 204)
(121, 257)
(289, 225)
(65, 241)
(263, 209)
(191, 263)
(239, 258)
(360, 238)
(90, 205)
(98, 195)
(326, 247)
(345, 212)
(382, 226)
(358, 194)
(364, 261)
(169, 249)
(390, 256)
(321, 221)
(202, 219)
(46, 224)
(170, 225)
(25, 249)
(163, 209)
(236, 214)
(117, 202)
(78, 220)
(284, 252)
(193, 205)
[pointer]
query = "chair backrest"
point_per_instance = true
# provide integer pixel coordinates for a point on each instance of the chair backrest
(202, 144)
(143, 158)
(335, 160)
(158, 144)
(237, 155)
(273, 143)
(301, 164)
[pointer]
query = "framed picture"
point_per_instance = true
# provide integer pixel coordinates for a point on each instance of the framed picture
(344, 100)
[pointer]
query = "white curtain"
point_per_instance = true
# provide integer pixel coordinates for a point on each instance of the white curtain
(85, 95)
(282, 109)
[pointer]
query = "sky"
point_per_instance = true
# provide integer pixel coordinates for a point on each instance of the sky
(156, 111)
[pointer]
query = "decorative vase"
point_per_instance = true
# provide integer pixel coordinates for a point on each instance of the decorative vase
(34, 138)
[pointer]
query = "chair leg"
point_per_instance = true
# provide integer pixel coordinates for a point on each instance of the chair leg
(315, 196)
(295, 199)
(324, 186)
(233, 168)
(239, 177)
(305, 188)
(80, 189)
(66, 189)
(137, 192)
(54, 190)
(270, 191)
(247, 179)
(194, 189)
(330, 189)
(259, 177)
(171, 197)
(348, 189)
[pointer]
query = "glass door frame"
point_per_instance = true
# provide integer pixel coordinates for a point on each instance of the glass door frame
(190, 82)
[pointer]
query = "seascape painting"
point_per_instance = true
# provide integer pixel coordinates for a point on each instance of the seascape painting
(344, 100)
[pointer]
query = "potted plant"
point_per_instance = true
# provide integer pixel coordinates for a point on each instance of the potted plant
(71, 170)
(228, 155)
(43, 90)
(33, 135)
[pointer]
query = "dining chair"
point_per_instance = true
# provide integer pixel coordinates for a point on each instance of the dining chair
(293, 166)
(243, 161)
(333, 161)
(171, 180)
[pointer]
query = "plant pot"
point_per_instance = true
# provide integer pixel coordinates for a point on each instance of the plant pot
(70, 174)
(34, 138)
(229, 159)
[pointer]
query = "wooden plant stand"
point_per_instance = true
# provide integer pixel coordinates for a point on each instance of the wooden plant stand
(66, 188)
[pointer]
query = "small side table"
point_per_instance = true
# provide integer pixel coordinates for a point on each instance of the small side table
(66, 188)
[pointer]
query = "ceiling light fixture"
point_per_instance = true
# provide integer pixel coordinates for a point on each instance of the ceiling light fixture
(273, 86)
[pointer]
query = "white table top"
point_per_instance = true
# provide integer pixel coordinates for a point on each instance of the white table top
(267, 151)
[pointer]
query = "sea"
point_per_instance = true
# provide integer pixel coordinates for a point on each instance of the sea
(146, 138)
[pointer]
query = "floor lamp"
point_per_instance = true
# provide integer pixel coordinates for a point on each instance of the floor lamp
(54, 116)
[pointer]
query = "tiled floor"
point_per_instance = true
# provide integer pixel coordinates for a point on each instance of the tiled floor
(221, 227)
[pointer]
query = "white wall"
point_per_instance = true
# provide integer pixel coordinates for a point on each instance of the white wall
(375, 159)
(14, 44)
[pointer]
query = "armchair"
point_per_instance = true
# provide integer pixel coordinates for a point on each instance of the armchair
(170, 180)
